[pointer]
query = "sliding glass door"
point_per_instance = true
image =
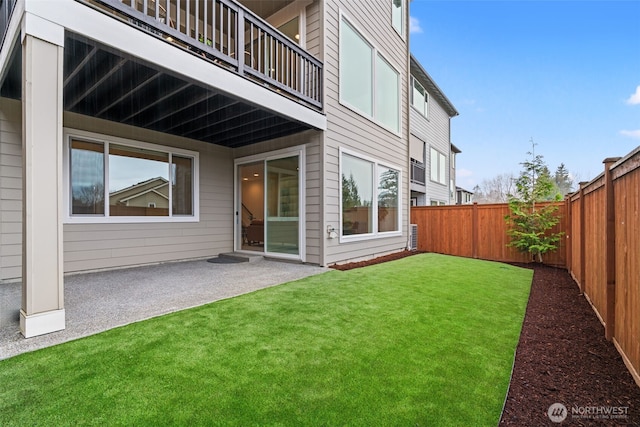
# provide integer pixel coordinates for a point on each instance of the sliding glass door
(269, 205)
(283, 205)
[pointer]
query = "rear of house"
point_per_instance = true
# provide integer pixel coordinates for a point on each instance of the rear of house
(278, 128)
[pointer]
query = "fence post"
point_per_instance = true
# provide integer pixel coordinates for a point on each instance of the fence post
(568, 234)
(583, 269)
(610, 254)
(474, 230)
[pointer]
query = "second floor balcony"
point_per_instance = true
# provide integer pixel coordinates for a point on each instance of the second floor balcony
(208, 70)
(231, 35)
(417, 172)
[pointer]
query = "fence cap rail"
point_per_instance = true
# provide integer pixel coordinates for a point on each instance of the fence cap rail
(626, 164)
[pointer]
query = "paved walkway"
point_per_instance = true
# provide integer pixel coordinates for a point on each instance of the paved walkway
(95, 302)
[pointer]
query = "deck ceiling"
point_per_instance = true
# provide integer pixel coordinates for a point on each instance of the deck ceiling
(99, 82)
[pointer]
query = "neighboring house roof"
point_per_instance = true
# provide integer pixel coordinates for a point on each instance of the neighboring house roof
(425, 79)
(463, 190)
(137, 190)
(135, 196)
(455, 149)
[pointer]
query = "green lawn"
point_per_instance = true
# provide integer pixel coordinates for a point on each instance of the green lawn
(425, 340)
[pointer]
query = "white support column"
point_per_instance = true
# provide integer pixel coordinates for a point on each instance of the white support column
(42, 270)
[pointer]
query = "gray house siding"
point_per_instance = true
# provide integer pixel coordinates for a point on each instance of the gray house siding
(349, 130)
(314, 29)
(99, 246)
(95, 246)
(10, 189)
(434, 130)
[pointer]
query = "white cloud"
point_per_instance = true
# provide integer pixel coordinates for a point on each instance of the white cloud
(635, 98)
(414, 25)
(631, 133)
(463, 173)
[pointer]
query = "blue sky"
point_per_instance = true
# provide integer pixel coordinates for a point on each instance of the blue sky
(563, 73)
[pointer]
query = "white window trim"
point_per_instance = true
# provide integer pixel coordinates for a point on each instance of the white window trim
(375, 52)
(107, 139)
(426, 98)
(403, 22)
(375, 234)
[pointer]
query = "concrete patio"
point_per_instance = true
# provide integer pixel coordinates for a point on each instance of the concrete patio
(95, 302)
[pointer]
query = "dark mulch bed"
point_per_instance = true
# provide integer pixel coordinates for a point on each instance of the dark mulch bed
(562, 357)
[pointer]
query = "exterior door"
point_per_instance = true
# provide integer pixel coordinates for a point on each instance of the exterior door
(270, 205)
(283, 206)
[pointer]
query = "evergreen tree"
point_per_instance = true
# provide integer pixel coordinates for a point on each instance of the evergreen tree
(388, 194)
(531, 224)
(350, 196)
(563, 180)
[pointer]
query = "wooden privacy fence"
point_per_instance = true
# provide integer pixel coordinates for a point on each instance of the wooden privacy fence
(604, 251)
(477, 231)
(600, 247)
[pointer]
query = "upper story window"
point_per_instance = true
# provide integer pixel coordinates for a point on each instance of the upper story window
(368, 83)
(397, 15)
(438, 167)
(126, 181)
(420, 98)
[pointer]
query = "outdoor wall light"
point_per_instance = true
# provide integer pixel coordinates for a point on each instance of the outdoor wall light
(331, 232)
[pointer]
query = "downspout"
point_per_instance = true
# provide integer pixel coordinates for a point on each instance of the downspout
(407, 114)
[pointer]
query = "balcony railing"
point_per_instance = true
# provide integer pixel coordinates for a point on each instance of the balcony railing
(230, 35)
(417, 172)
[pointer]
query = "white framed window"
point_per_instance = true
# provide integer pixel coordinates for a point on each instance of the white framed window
(109, 179)
(370, 198)
(369, 84)
(438, 166)
(419, 98)
(397, 16)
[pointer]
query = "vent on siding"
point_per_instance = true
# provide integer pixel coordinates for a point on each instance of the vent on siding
(413, 240)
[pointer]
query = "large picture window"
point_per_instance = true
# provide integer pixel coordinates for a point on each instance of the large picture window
(139, 182)
(368, 83)
(370, 197)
